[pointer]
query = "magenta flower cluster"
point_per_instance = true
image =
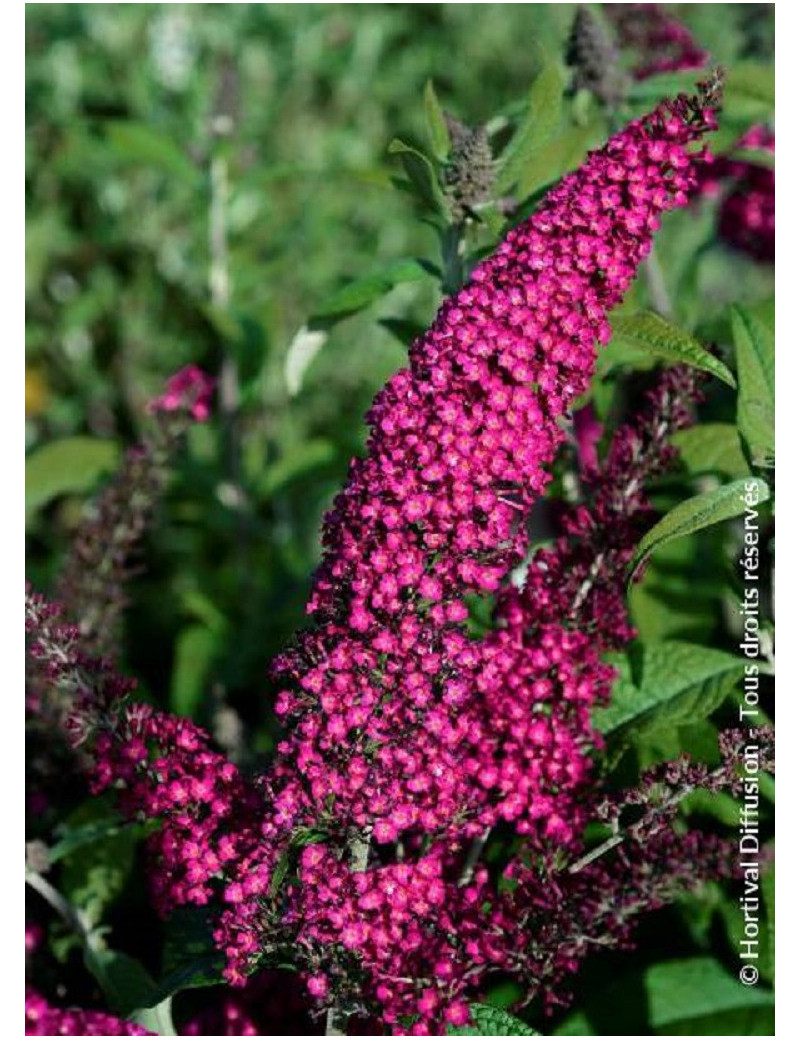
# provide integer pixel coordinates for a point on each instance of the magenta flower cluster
(663, 43)
(747, 191)
(409, 738)
(580, 577)
(436, 511)
(167, 771)
(189, 390)
(42, 1019)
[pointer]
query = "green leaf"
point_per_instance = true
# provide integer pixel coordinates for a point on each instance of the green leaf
(670, 684)
(94, 874)
(436, 123)
(195, 650)
(537, 127)
(721, 806)
(694, 989)
(556, 157)
(755, 367)
(281, 871)
(70, 466)
(654, 334)
(421, 176)
(712, 448)
(678, 597)
(621, 353)
(158, 1019)
(711, 507)
(750, 80)
(764, 311)
(697, 739)
(140, 143)
(195, 973)
(364, 291)
(663, 85)
(74, 838)
(190, 959)
(492, 1021)
(299, 462)
(694, 997)
(129, 989)
(125, 982)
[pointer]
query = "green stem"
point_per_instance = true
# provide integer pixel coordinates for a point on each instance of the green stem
(219, 287)
(335, 1024)
(71, 917)
(452, 259)
(617, 839)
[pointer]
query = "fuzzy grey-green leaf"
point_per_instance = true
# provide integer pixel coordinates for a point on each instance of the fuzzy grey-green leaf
(361, 292)
(674, 683)
(755, 366)
(655, 335)
(704, 510)
(712, 448)
(421, 176)
(437, 126)
(537, 127)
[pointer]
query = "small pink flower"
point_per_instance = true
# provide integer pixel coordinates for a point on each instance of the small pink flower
(318, 986)
(189, 390)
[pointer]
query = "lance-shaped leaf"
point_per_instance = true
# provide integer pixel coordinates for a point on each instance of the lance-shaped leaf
(755, 367)
(126, 984)
(712, 507)
(712, 448)
(655, 335)
(557, 156)
(156, 1019)
(421, 175)
(666, 684)
(537, 126)
(358, 294)
(195, 650)
(436, 124)
(190, 958)
(695, 989)
(73, 838)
